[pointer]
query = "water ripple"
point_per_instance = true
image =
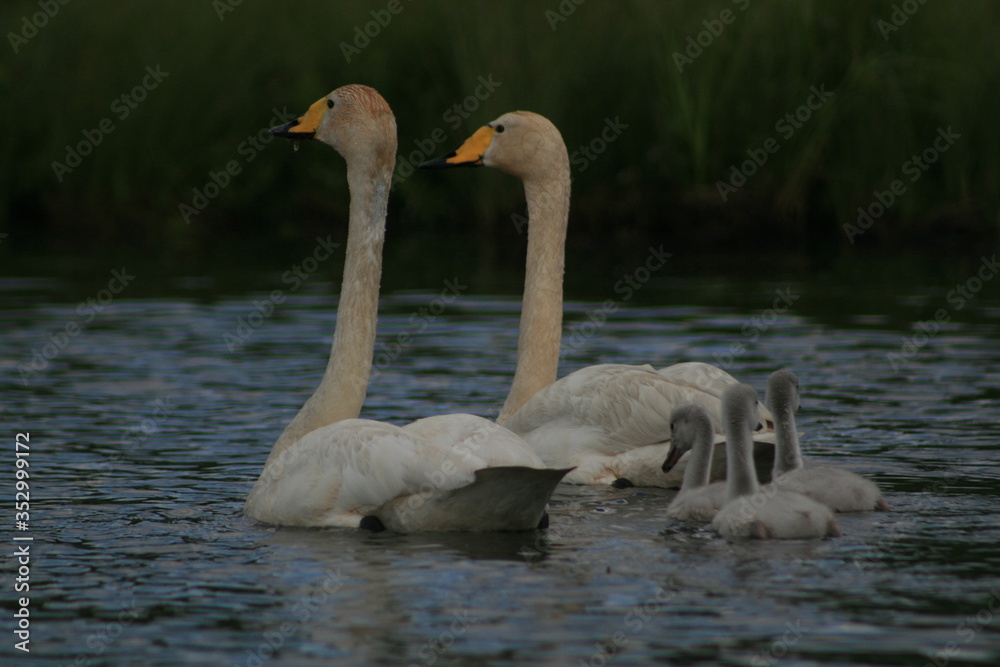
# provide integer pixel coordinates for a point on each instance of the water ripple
(147, 433)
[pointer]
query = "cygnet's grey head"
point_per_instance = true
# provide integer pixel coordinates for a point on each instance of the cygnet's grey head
(690, 425)
(782, 394)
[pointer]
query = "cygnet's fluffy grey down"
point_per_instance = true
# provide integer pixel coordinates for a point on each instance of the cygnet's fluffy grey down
(752, 510)
(839, 489)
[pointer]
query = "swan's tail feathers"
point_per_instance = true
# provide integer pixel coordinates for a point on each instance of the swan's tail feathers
(498, 499)
(833, 528)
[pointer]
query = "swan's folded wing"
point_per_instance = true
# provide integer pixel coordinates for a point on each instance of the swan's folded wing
(486, 441)
(330, 476)
(605, 410)
(710, 379)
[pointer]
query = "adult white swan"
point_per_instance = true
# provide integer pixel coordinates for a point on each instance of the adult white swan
(752, 510)
(839, 489)
(452, 472)
(611, 421)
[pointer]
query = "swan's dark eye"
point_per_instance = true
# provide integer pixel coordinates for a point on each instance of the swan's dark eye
(499, 128)
(329, 104)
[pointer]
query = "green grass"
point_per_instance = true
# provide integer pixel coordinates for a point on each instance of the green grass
(656, 182)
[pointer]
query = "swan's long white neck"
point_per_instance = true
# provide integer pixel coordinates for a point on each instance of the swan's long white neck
(541, 309)
(787, 455)
(341, 392)
(741, 479)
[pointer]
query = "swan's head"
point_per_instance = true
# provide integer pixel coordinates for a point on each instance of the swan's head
(354, 119)
(690, 426)
(739, 408)
(520, 143)
(782, 393)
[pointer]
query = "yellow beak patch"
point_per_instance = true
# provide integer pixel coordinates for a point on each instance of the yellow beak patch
(471, 152)
(305, 126)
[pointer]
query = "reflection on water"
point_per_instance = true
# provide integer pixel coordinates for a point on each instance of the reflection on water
(147, 433)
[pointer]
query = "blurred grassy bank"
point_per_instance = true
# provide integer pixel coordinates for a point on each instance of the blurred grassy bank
(744, 88)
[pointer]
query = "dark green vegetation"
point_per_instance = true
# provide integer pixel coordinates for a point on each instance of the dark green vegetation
(601, 68)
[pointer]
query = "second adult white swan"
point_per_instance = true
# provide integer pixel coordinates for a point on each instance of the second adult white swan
(610, 421)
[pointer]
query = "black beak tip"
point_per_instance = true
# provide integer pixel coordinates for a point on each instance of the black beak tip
(281, 130)
(285, 131)
(439, 163)
(669, 463)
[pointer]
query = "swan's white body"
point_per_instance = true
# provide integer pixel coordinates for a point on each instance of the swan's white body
(752, 510)
(454, 472)
(691, 431)
(328, 468)
(609, 422)
(839, 489)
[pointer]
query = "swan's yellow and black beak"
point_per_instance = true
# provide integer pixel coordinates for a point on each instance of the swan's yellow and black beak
(469, 154)
(306, 125)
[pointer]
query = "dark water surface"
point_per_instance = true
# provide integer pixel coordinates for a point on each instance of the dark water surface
(147, 432)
